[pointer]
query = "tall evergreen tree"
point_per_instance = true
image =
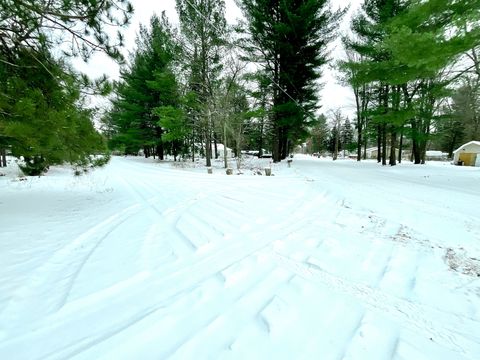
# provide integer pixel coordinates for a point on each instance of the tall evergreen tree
(346, 135)
(319, 137)
(147, 84)
(372, 66)
(289, 39)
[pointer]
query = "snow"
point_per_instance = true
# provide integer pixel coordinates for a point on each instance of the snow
(330, 260)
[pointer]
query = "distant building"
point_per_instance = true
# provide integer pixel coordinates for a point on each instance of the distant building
(373, 152)
(435, 155)
(468, 154)
(221, 149)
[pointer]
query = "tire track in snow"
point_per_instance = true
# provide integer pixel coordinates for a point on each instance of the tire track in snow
(142, 193)
(36, 299)
(149, 292)
(422, 319)
(167, 282)
(198, 318)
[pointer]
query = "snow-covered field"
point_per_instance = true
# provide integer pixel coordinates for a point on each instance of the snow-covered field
(324, 260)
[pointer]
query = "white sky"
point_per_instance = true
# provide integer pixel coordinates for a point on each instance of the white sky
(333, 95)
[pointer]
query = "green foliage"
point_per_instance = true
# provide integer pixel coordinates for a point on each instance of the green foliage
(147, 84)
(289, 39)
(102, 160)
(346, 136)
(402, 50)
(43, 25)
(42, 119)
(431, 34)
(319, 136)
(173, 120)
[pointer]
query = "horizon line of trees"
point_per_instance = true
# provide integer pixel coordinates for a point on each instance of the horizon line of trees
(209, 96)
(414, 71)
(412, 65)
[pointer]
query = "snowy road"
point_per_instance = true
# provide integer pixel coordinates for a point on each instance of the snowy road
(322, 261)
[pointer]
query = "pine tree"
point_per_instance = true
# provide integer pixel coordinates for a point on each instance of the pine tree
(147, 85)
(42, 117)
(346, 135)
(423, 41)
(318, 141)
(289, 39)
(40, 25)
(404, 48)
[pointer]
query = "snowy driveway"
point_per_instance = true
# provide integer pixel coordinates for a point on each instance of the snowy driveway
(322, 261)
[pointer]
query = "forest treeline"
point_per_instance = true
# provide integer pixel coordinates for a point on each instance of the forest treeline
(412, 67)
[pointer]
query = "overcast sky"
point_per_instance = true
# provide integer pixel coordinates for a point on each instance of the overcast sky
(332, 95)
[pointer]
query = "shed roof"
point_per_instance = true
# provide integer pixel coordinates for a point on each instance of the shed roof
(467, 144)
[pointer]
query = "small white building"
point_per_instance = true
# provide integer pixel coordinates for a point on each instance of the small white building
(435, 155)
(468, 154)
(373, 152)
(221, 149)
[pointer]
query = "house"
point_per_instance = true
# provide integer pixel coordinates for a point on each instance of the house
(373, 152)
(468, 154)
(221, 149)
(435, 155)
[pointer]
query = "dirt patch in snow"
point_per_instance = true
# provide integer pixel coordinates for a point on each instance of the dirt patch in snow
(459, 261)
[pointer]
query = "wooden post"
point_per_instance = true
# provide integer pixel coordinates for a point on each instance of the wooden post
(209, 170)
(289, 162)
(268, 171)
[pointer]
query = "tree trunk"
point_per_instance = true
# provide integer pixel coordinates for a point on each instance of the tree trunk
(159, 147)
(393, 145)
(364, 148)
(335, 151)
(276, 100)
(3, 159)
(415, 143)
(225, 161)
(384, 144)
(208, 142)
(400, 146)
(284, 151)
(276, 144)
(359, 143)
(260, 141)
(193, 144)
(160, 151)
(208, 151)
(359, 123)
(379, 143)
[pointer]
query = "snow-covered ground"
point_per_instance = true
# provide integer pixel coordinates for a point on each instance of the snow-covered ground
(324, 260)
